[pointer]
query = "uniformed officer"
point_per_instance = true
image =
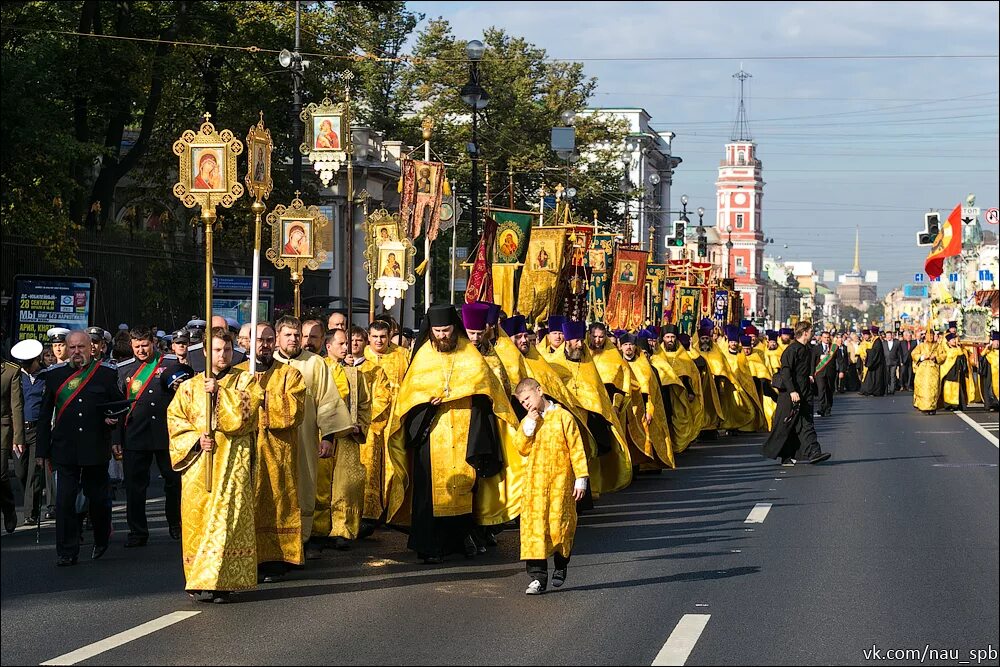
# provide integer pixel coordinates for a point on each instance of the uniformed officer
(57, 340)
(98, 343)
(32, 476)
(141, 436)
(74, 432)
(11, 433)
(179, 343)
(196, 353)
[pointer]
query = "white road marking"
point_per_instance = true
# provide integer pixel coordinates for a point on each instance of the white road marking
(758, 513)
(681, 641)
(979, 429)
(121, 638)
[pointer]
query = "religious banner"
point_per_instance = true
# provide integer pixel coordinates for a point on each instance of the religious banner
(598, 257)
(537, 291)
(655, 277)
(700, 272)
(480, 287)
(574, 286)
(628, 282)
(720, 307)
(688, 309)
(325, 143)
(679, 270)
(668, 299)
(423, 189)
(513, 230)
(388, 257)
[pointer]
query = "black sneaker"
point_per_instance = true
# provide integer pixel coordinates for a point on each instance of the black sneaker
(819, 458)
(469, 545)
(558, 578)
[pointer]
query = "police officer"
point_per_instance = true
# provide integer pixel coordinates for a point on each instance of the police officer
(12, 433)
(74, 432)
(142, 436)
(98, 343)
(179, 343)
(57, 341)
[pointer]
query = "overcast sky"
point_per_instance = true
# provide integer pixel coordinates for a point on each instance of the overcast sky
(873, 142)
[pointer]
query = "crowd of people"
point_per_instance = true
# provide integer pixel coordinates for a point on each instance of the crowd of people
(474, 424)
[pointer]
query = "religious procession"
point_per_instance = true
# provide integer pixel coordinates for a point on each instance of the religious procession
(330, 336)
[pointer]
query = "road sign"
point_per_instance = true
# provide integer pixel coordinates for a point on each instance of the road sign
(992, 216)
(970, 214)
(918, 277)
(905, 316)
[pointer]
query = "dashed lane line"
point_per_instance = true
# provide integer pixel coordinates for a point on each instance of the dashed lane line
(114, 641)
(758, 513)
(682, 640)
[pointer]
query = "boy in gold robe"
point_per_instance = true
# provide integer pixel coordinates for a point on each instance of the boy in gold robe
(555, 480)
(277, 519)
(217, 537)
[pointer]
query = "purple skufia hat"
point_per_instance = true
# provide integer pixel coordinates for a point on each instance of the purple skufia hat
(684, 340)
(627, 337)
(493, 316)
(555, 322)
(573, 330)
(746, 341)
(732, 333)
(514, 325)
(474, 316)
(785, 331)
(772, 334)
(646, 334)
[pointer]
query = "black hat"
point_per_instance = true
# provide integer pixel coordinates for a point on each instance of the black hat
(669, 329)
(95, 333)
(174, 376)
(409, 333)
(441, 315)
(181, 336)
(117, 408)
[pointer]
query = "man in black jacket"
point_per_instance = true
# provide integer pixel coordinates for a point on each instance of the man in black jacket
(142, 436)
(793, 435)
(906, 347)
(74, 431)
(826, 368)
(892, 352)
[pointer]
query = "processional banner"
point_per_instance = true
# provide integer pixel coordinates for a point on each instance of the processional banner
(628, 283)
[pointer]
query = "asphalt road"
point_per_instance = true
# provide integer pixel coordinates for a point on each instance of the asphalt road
(891, 545)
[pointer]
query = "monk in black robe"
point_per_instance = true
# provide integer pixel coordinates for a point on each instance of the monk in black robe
(876, 375)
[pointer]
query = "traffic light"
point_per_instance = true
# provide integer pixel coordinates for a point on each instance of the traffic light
(702, 246)
(677, 238)
(932, 227)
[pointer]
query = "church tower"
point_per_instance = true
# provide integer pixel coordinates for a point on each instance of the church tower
(739, 190)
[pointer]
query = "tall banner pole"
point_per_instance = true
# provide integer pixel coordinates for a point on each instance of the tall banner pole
(428, 275)
(259, 182)
(349, 227)
(207, 177)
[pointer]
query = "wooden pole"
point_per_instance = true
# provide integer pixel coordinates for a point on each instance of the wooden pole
(208, 219)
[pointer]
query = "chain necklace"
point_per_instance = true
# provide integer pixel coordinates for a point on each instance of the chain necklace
(447, 376)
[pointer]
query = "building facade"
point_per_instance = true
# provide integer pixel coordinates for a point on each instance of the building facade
(739, 195)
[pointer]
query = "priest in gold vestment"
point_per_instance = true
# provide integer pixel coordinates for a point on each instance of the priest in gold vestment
(340, 486)
(555, 480)
(443, 436)
(373, 449)
(989, 365)
(622, 387)
(738, 408)
(218, 545)
(958, 386)
(326, 417)
(650, 412)
(277, 519)
(687, 407)
(927, 359)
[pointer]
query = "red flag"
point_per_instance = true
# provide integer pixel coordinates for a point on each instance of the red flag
(480, 287)
(947, 244)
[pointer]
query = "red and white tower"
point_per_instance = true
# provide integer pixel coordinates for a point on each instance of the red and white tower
(740, 189)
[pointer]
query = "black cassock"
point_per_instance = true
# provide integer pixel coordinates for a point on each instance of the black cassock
(986, 378)
(440, 536)
(959, 371)
(793, 434)
(877, 377)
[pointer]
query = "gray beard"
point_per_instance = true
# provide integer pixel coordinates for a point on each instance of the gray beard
(705, 347)
(573, 355)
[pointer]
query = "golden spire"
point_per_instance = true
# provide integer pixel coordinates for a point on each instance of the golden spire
(857, 250)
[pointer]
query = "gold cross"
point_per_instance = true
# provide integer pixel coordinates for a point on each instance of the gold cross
(297, 193)
(207, 116)
(559, 191)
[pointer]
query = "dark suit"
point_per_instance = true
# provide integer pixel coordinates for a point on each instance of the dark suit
(79, 446)
(893, 359)
(144, 438)
(906, 364)
(826, 379)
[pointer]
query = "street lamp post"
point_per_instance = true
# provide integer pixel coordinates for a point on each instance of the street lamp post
(477, 98)
(626, 157)
(292, 61)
